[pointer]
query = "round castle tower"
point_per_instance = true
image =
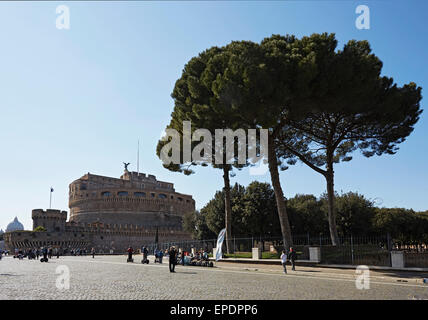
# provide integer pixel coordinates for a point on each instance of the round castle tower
(134, 198)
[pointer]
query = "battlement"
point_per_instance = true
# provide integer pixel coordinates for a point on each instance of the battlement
(116, 228)
(49, 212)
(135, 198)
(137, 176)
(50, 219)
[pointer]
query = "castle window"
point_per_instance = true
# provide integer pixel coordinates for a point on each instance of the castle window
(139, 194)
(122, 193)
(83, 187)
(180, 199)
(172, 197)
(105, 194)
(153, 195)
(162, 196)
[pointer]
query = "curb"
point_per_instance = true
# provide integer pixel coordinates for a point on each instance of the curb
(318, 265)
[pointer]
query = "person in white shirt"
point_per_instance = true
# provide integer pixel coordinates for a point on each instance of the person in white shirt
(284, 260)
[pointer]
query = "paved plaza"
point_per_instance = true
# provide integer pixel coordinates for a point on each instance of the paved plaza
(110, 277)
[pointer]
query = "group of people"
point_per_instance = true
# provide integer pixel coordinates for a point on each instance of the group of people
(174, 256)
(291, 256)
(78, 252)
(188, 257)
(158, 255)
(172, 253)
(35, 253)
(3, 252)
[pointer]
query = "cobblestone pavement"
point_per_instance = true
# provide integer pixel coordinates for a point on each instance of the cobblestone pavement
(110, 277)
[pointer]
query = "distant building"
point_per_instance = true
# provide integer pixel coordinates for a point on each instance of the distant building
(2, 246)
(14, 225)
(133, 199)
(109, 214)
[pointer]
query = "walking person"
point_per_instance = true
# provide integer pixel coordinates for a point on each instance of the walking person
(37, 253)
(145, 254)
(45, 254)
(293, 257)
(130, 252)
(93, 253)
(183, 257)
(172, 259)
(160, 255)
(284, 260)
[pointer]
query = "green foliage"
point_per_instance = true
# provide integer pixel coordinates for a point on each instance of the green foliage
(320, 105)
(402, 224)
(215, 208)
(254, 214)
(354, 213)
(346, 106)
(253, 211)
(40, 229)
(201, 96)
(306, 215)
(259, 214)
(195, 223)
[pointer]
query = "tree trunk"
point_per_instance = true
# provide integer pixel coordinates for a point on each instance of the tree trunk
(331, 207)
(279, 196)
(228, 209)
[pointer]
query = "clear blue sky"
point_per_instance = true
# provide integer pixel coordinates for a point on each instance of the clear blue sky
(76, 101)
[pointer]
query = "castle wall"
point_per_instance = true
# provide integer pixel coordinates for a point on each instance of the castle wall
(110, 214)
(103, 240)
(146, 219)
(51, 220)
(31, 239)
(133, 199)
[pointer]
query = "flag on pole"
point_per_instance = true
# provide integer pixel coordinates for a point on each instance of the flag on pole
(50, 198)
(219, 253)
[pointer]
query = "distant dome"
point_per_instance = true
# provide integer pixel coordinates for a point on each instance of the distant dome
(14, 225)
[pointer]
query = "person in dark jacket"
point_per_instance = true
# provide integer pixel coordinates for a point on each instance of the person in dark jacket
(45, 253)
(145, 253)
(292, 256)
(130, 252)
(172, 259)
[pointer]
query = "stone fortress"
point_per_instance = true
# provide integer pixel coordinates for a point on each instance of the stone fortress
(110, 214)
